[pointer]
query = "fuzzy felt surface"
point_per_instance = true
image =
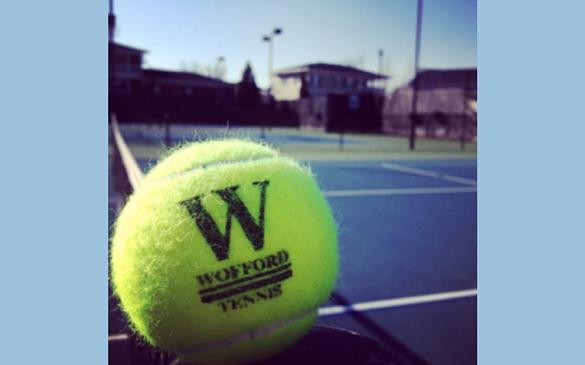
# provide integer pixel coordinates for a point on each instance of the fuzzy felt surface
(161, 260)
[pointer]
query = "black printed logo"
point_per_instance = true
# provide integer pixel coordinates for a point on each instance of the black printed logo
(220, 243)
(243, 284)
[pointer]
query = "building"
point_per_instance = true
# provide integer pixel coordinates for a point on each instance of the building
(143, 95)
(446, 105)
(128, 77)
(124, 68)
(332, 97)
(165, 82)
(321, 79)
(136, 93)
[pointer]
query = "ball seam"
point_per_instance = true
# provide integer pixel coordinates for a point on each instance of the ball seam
(248, 335)
(212, 165)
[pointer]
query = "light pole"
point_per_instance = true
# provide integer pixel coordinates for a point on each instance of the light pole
(270, 40)
(111, 58)
(111, 22)
(381, 61)
(414, 116)
(220, 68)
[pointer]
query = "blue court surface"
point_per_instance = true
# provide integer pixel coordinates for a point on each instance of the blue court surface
(408, 247)
(408, 251)
(407, 229)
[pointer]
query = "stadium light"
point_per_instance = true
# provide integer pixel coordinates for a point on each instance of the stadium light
(270, 40)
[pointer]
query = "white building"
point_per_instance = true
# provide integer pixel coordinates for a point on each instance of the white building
(320, 79)
(331, 97)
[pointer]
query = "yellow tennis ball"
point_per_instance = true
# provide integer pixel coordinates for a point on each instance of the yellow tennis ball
(224, 253)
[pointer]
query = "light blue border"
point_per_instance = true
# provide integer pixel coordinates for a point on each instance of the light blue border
(53, 263)
(531, 191)
(53, 110)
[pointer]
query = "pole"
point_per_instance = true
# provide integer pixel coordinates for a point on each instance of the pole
(464, 112)
(111, 22)
(111, 57)
(168, 133)
(270, 56)
(381, 61)
(270, 39)
(413, 116)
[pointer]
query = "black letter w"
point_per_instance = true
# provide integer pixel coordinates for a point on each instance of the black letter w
(219, 243)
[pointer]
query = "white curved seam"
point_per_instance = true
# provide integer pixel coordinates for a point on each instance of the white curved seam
(249, 335)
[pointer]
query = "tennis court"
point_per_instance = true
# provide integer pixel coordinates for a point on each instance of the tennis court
(407, 232)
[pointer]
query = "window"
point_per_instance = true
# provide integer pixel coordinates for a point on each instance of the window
(354, 101)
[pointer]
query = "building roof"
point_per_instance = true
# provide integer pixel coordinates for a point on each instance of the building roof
(128, 48)
(430, 79)
(184, 77)
(329, 68)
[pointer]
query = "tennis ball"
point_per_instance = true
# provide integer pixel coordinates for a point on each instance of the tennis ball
(224, 253)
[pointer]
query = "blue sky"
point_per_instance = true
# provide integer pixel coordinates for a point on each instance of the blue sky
(333, 31)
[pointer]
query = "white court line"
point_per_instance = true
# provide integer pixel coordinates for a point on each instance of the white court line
(401, 191)
(421, 172)
(118, 337)
(397, 302)
(377, 304)
(133, 171)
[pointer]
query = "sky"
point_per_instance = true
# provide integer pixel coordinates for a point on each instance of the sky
(181, 32)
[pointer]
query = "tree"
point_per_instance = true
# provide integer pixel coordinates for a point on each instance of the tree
(248, 92)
